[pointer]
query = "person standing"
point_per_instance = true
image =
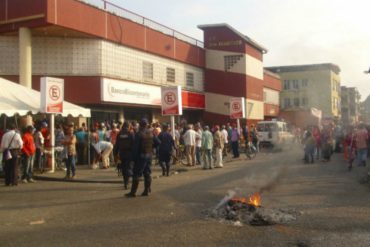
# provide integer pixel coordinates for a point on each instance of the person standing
(218, 139)
(207, 145)
(189, 140)
(166, 145)
(226, 140)
(69, 143)
(28, 153)
(124, 147)
(198, 143)
(235, 135)
(361, 144)
(11, 144)
(39, 143)
(350, 142)
(254, 137)
(81, 146)
(143, 151)
(59, 149)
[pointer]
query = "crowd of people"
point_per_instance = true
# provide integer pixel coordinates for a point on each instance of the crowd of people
(132, 146)
(320, 143)
(129, 146)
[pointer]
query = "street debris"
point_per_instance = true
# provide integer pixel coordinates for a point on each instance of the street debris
(37, 222)
(240, 211)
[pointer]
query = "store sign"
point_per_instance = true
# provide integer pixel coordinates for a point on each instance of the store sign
(129, 92)
(171, 101)
(237, 108)
(226, 43)
(52, 95)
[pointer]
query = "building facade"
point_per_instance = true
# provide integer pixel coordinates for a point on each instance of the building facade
(234, 68)
(310, 86)
(115, 62)
(350, 103)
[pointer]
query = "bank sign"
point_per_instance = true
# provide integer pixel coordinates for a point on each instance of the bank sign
(52, 95)
(237, 108)
(129, 92)
(171, 101)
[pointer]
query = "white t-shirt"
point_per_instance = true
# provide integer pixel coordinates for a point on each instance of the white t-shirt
(225, 134)
(189, 137)
(198, 138)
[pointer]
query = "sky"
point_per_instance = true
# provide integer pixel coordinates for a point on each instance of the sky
(295, 32)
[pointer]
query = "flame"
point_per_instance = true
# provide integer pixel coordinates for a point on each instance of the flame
(255, 199)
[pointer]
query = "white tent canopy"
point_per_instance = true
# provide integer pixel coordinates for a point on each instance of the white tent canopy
(17, 99)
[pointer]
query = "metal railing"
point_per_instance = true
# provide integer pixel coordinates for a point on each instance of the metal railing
(124, 13)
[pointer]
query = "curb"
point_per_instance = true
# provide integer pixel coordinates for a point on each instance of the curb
(44, 178)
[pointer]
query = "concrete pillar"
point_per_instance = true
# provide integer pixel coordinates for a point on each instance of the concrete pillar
(25, 57)
(121, 116)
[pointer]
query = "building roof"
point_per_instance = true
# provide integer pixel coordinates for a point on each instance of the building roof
(244, 37)
(270, 73)
(308, 67)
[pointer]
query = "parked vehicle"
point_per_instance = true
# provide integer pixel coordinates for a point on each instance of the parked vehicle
(273, 133)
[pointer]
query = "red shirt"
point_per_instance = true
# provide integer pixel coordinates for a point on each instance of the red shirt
(45, 133)
(29, 147)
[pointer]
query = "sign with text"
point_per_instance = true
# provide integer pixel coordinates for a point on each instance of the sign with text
(52, 95)
(129, 92)
(237, 108)
(171, 101)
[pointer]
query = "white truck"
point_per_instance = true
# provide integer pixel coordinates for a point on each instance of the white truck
(273, 133)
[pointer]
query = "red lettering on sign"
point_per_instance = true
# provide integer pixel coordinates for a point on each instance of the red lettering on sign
(54, 92)
(236, 106)
(169, 98)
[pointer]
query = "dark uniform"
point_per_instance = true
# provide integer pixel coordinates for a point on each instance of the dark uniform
(143, 150)
(124, 147)
(166, 146)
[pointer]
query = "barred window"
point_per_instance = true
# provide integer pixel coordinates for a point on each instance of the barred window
(189, 79)
(230, 60)
(171, 74)
(147, 70)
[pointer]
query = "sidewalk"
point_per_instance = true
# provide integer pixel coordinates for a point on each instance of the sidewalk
(84, 174)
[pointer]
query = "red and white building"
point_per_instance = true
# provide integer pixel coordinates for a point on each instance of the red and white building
(114, 61)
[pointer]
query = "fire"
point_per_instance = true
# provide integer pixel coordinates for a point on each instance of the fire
(255, 199)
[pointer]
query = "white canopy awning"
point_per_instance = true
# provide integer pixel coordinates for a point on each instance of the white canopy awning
(17, 99)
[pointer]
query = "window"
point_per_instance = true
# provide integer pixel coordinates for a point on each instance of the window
(304, 82)
(286, 103)
(304, 101)
(286, 85)
(171, 75)
(334, 103)
(295, 84)
(147, 70)
(189, 79)
(334, 85)
(296, 102)
(264, 96)
(230, 60)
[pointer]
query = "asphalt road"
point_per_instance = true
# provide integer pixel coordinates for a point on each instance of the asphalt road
(334, 207)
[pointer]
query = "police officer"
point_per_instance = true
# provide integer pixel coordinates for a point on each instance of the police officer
(124, 147)
(143, 150)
